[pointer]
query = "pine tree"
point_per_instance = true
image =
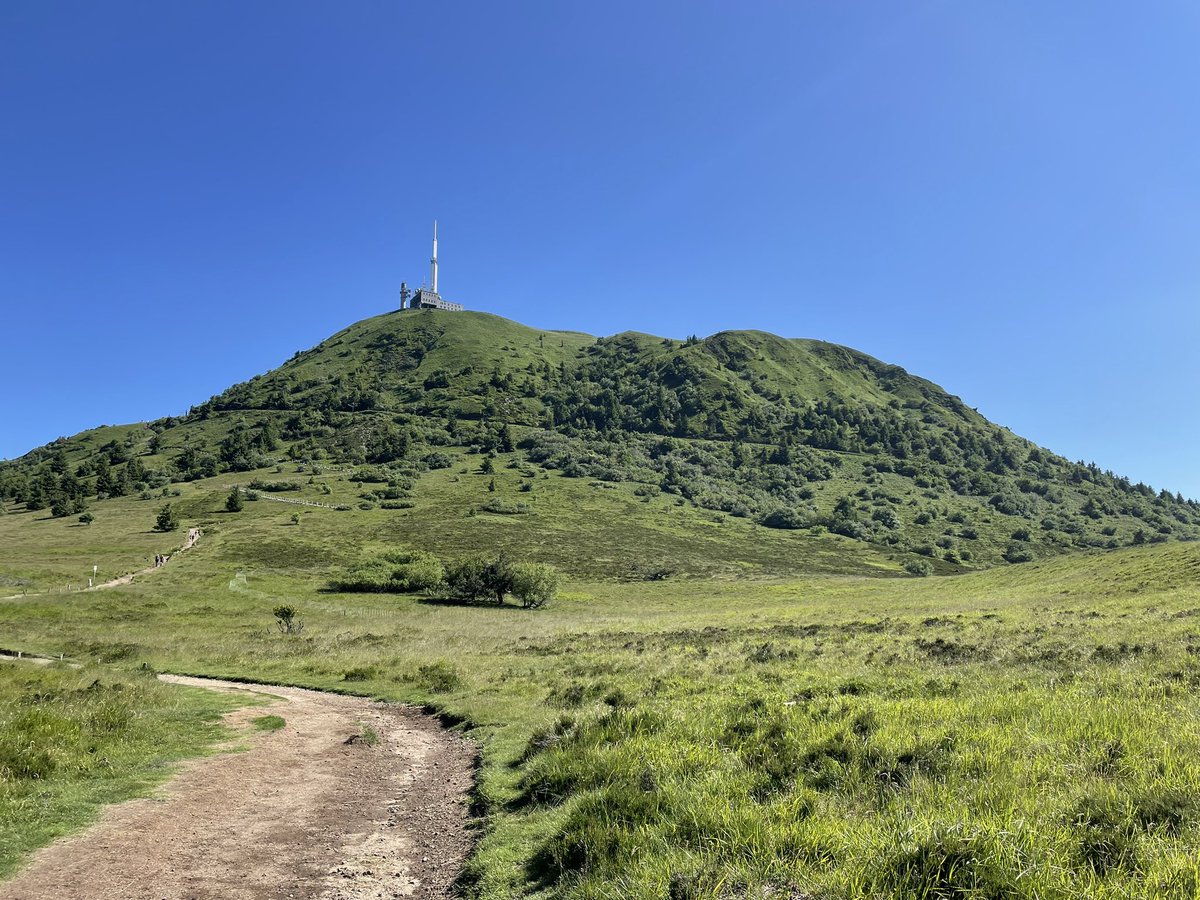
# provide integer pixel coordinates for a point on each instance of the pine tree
(167, 519)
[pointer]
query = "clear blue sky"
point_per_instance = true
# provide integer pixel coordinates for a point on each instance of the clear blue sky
(1003, 198)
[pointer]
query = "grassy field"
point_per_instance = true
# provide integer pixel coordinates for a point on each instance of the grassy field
(73, 740)
(1029, 731)
(617, 530)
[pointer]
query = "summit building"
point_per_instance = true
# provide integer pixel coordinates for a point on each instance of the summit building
(427, 297)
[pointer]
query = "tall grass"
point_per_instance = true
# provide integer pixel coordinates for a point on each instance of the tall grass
(74, 740)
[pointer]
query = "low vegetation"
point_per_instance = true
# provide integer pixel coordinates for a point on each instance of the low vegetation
(73, 740)
(1010, 733)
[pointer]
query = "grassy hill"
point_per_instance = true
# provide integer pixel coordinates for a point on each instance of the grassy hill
(726, 700)
(743, 452)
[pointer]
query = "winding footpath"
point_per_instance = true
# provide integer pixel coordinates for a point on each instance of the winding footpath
(193, 538)
(319, 808)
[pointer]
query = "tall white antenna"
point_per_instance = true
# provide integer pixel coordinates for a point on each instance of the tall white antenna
(433, 261)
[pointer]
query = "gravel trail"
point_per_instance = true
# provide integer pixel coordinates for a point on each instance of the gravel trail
(316, 809)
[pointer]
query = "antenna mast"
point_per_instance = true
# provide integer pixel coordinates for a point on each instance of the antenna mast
(433, 261)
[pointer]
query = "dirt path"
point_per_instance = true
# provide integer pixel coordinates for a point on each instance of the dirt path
(307, 811)
(193, 538)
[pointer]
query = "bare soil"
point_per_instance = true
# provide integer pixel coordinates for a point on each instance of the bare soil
(315, 809)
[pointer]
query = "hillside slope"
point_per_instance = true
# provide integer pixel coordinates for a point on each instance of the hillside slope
(743, 431)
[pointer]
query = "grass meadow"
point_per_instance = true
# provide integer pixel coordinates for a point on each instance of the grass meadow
(733, 731)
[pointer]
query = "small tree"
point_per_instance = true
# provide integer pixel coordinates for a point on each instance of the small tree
(498, 575)
(233, 503)
(286, 621)
(465, 578)
(87, 518)
(504, 439)
(534, 584)
(296, 518)
(167, 519)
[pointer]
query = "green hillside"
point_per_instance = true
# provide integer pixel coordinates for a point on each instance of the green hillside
(726, 699)
(741, 452)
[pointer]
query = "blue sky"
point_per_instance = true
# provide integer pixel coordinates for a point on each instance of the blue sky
(1003, 198)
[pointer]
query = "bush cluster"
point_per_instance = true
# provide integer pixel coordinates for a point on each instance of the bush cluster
(468, 578)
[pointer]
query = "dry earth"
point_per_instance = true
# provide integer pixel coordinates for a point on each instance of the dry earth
(311, 810)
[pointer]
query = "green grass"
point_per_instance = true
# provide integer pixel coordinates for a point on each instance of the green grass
(620, 531)
(1030, 731)
(73, 740)
(369, 735)
(268, 723)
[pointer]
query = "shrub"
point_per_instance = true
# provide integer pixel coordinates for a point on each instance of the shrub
(1017, 553)
(87, 519)
(918, 567)
(233, 503)
(420, 572)
(650, 572)
(465, 578)
(498, 576)
(534, 584)
(275, 487)
(784, 518)
(473, 577)
(286, 621)
(500, 507)
(437, 460)
(403, 571)
(439, 677)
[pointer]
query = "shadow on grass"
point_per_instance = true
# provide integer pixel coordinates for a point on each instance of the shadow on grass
(460, 601)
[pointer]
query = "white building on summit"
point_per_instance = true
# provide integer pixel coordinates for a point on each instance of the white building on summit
(428, 297)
